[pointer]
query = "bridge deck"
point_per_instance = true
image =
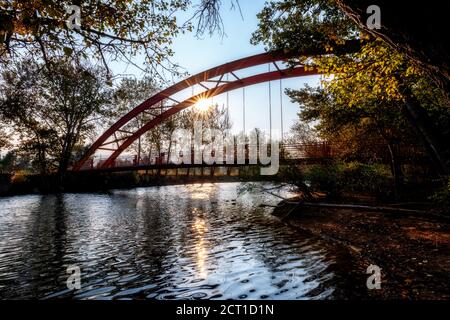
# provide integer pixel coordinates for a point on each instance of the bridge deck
(171, 166)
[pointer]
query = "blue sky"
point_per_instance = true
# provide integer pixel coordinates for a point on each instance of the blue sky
(196, 55)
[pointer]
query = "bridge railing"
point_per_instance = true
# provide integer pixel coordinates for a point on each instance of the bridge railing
(299, 151)
(287, 151)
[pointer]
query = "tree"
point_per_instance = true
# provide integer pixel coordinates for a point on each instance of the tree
(380, 78)
(209, 19)
(53, 111)
(213, 118)
(7, 162)
(375, 72)
(302, 26)
(416, 30)
(308, 26)
(128, 95)
(108, 30)
(356, 132)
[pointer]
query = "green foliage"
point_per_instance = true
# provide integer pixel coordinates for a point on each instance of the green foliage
(7, 162)
(302, 25)
(357, 132)
(336, 178)
(324, 179)
(366, 178)
(374, 73)
(129, 94)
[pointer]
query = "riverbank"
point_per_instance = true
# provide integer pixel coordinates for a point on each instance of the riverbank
(413, 251)
(87, 182)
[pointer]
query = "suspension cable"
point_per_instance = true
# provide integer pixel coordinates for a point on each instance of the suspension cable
(270, 107)
(243, 106)
(228, 104)
(281, 110)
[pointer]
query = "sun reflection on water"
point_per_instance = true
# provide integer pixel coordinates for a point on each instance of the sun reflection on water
(201, 191)
(200, 229)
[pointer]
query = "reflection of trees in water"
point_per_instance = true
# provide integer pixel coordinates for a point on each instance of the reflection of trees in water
(153, 233)
(43, 254)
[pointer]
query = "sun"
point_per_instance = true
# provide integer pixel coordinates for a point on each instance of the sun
(203, 105)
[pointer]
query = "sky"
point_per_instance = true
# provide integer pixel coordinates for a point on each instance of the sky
(196, 55)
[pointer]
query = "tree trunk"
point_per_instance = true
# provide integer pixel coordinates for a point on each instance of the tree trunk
(169, 152)
(42, 161)
(139, 152)
(159, 160)
(396, 168)
(432, 139)
(64, 161)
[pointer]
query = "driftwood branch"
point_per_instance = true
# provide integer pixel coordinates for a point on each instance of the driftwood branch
(273, 194)
(357, 207)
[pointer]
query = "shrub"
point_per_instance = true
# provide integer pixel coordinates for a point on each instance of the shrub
(358, 177)
(336, 178)
(324, 178)
(441, 198)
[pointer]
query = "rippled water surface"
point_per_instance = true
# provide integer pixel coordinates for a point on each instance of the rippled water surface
(176, 242)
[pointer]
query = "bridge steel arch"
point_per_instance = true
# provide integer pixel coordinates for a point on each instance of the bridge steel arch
(156, 101)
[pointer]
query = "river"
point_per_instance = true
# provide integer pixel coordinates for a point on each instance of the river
(204, 241)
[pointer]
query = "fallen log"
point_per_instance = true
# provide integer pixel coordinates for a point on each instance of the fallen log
(357, 207)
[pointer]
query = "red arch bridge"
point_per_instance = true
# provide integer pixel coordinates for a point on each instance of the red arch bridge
(163, 105)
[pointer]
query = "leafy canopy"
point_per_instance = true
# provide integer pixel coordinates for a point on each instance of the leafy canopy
(110, 30)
